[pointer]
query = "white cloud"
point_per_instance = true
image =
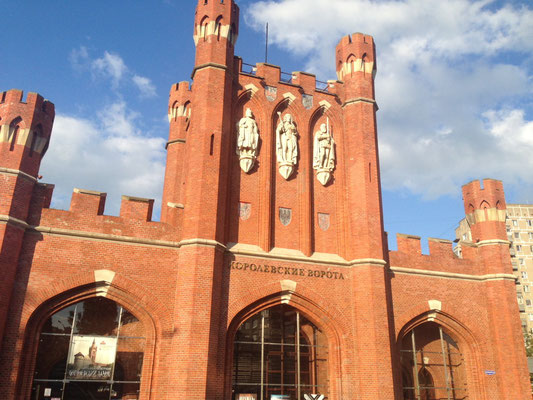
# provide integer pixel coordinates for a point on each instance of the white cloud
(453, 82)
(109, 153)
(145, 86)
(111, 66)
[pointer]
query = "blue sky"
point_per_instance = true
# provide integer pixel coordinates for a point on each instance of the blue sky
(454, 86)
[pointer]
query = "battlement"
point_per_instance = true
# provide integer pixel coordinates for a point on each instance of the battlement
(136, 208)
(216, 18)
(486, 196)
(33, 101)
(441, 257)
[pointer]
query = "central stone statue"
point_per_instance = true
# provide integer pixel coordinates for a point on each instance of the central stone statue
(286, 145)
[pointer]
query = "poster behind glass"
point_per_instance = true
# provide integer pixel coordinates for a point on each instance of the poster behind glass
(91, 357)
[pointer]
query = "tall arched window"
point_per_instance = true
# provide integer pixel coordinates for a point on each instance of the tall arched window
(432, 365)
(14, 128)
(90, 350)
(279, 354)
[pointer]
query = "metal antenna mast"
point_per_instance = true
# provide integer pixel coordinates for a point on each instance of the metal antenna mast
(266, 44)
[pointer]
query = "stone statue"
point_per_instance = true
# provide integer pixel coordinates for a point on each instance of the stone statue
(286, 145)
(247, 140)
(324, 153)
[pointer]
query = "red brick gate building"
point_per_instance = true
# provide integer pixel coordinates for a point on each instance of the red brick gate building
(269, 275)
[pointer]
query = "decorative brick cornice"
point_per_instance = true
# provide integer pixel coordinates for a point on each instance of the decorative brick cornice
(6, 219)
(174, 142)
(451, 275)
(208, 65)
(360, 100)
(9, 171)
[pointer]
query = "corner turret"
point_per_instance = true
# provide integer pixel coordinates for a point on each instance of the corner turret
(485, 210)
(25, 129)
(356, 66)
(216, 27)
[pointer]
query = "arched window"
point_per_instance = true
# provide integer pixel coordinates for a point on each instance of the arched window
(14, 128)
(36, 139)
(278, 353)
(432, 365)
(218, 27)
(90, 350)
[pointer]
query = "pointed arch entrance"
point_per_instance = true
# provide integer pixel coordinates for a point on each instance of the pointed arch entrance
(92, 349)
(433, 366)
(278, 353)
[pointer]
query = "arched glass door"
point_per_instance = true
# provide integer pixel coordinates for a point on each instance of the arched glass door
(91, 350)
(279, 355)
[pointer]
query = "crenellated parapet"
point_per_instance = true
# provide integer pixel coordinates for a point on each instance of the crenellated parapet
(86, 217)
(441, 258)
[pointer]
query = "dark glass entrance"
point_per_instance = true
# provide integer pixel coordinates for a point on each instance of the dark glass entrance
(279, 355)
(92, 350)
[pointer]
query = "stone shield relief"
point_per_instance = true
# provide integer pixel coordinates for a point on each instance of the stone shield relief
(285, 215)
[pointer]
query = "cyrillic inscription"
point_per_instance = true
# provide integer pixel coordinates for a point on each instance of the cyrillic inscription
(294, 271)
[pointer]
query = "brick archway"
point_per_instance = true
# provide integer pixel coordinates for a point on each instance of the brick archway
(464, 338)
(311, 310)
(74, 290)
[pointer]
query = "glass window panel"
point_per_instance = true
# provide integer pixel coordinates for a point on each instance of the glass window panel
(60, 322)
(250, 330)
(97, 316)
(52, 357)
(87, 390)
(128, 366)
(273, 325)
(130, 325)
(125, 391)
(46, 390)
(247, 363)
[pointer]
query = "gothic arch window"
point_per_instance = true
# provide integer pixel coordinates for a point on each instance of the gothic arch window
(278, 353)
(204, 25)
(432, 365)
(91, 350)
(363, 62)
(218, 27)
(36, 139)
(13, 132)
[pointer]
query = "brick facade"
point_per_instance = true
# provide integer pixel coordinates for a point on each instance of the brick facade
(221, 252)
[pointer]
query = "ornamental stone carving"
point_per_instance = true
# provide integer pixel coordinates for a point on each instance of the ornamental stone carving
(286, 145)
(324, 154)
(247, 140)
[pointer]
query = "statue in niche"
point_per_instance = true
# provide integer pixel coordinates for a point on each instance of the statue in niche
(324, 153)
(286, 145)
(247, 140)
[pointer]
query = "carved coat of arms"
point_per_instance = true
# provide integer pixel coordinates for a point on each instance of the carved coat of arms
(307, 101)
(271, 93)
(323, 221)
(245, 209)
(285, 215)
